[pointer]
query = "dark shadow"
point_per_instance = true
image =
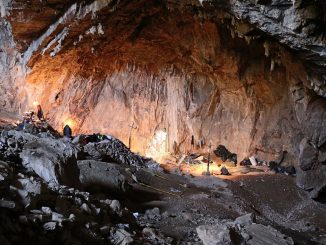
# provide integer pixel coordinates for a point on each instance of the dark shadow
(321, 196)
(136, 199)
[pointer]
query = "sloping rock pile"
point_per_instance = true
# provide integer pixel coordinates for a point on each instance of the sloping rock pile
(42, 178)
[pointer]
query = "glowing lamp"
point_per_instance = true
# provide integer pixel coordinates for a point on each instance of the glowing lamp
(70, 122)
(35, 103)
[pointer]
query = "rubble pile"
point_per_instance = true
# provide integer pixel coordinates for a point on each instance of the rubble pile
(43, 200)
(113, 149)
(38, 213)
(67, 191)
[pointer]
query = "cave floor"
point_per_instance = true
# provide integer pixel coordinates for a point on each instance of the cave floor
(187, 201)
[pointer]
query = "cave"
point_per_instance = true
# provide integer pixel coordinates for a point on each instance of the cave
(191, 122)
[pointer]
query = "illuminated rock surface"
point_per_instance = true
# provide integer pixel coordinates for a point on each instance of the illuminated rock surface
(248, 74)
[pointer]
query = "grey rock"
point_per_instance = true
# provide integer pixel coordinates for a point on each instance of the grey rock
(245, 220)
(115, 206)
(244, 230)
(50, 226)
(46, 210)
(152, 213)
(102, 174)
(53, 160)
(322, 154)
(84, 207)
(156, 237)
(262, 235)
(313, 180)
(57, 217)
(308, 155)
(121, 237)
(214, 235)
(7, 204)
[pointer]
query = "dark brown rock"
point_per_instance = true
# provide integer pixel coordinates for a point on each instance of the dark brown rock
(308, 155)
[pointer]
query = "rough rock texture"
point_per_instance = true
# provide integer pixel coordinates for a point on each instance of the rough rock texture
(10, 70)
(102, 174)
(113, 149)
(53, 160)
(246, 74)
(241, 231)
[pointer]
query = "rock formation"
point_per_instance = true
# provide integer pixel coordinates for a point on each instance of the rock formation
(249, 75)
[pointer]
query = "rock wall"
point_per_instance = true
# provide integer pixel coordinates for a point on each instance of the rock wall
(10, 70)
(245, 74)
(229, 96)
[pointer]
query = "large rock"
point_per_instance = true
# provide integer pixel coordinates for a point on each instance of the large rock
(242, 231)
(53, 160)
(313, 180)
(102, 174)
(265, 235)
(214, 235)
(308, 155)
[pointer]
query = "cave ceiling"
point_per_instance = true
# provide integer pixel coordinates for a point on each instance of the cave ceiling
(138, 30)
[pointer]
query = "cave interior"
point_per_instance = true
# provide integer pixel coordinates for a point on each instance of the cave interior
(192, 122)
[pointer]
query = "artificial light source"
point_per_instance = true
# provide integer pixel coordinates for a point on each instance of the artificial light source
(70, 122)
(35, 103)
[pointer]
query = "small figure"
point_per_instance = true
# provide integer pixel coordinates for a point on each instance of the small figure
(192, 142)
(39, 113)
(67, 131)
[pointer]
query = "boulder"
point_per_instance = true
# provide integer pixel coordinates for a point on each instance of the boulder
(29, 190)
(311, 174)
(262, 235)
(241, 231)
(102, 174)
(53, 160)
(121, 237)
(322, 154)
(214, 235)
(313, 180)
(308, 155)
(245, 220)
